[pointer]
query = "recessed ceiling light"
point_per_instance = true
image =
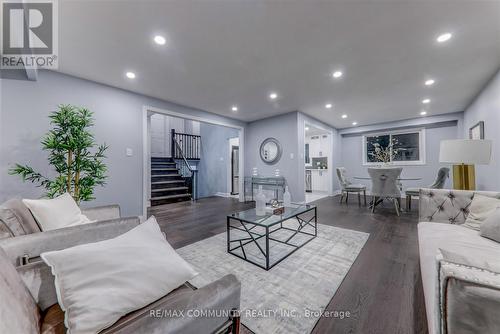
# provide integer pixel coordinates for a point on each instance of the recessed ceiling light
(307, 128)
(337, 74)
(354, 123)
(328, 105)
(429, 82)
(130, 75)
(273, 96)
(234, 108)
(160, 40)
(444, 37)
(344, 116)
(425, 101)
(423, 113)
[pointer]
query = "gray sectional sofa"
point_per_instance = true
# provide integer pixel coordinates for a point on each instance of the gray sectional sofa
(23, 269)
(16, 219)
(462, 296)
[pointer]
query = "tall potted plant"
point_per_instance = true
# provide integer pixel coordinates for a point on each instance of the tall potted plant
(70, 144)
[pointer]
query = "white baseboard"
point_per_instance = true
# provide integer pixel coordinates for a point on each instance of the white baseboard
(227, 195)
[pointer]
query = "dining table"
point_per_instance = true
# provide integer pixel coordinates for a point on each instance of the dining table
(399, 178)
(400, 185)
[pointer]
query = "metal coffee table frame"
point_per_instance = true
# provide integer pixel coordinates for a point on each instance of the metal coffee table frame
(254, 236)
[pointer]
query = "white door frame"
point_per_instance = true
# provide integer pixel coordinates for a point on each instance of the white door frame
(330, 163)
(146, 159)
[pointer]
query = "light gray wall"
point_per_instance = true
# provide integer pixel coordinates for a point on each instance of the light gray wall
(24, 110)
(159, 138)
(161, 129)
(285, 129)
(214, 162)
(352, 149)
(486, 107)
(289, 129)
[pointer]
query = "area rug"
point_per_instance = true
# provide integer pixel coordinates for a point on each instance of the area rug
(290, 297)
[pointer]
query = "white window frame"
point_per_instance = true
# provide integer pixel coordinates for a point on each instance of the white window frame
(421, 144)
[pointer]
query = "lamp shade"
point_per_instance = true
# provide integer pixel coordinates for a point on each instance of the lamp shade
(465, 151)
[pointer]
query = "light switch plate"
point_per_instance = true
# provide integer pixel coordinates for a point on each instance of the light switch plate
(291, 155)
(129, 152)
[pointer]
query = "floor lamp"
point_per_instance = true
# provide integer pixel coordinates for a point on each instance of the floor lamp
(464, 154)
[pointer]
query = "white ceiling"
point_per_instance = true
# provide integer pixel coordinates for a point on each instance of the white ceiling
(312, 130)
(221, 53)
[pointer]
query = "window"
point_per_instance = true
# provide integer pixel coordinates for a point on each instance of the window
(407, 147)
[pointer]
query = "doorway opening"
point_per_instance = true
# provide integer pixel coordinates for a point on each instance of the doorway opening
(186, 158)
(234, 167)
(318, 151)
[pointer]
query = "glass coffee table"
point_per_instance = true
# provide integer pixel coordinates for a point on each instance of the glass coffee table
(267, 240)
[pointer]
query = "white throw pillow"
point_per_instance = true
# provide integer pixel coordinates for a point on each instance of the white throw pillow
(490, 228)
(480, 208)
(98, 283)
(55, 213)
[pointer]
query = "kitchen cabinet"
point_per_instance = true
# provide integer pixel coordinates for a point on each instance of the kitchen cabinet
(314, 146)
(324, 146)
(320, 180)
(320, 150)
(319, 145)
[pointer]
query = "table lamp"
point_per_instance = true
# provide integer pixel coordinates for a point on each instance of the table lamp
(464, 154)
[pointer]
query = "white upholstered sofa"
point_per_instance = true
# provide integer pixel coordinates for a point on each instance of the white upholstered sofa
(459, 297)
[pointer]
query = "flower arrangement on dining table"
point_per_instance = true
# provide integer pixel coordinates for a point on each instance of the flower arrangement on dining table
(384, 154)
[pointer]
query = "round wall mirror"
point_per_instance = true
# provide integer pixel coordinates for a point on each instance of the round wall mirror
(270, 151)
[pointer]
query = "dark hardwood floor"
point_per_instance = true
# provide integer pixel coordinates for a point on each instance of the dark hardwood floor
(383, 289)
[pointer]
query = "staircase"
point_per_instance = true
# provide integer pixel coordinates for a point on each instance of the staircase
(167, 184)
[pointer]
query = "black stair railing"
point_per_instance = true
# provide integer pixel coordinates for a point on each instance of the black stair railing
(188, 145)
(189, 174)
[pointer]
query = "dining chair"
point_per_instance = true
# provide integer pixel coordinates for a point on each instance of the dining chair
(442, 175)
(348, 187)
(385, 185)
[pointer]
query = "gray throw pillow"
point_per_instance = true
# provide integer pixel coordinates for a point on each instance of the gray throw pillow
(18, 218)
(490, 228)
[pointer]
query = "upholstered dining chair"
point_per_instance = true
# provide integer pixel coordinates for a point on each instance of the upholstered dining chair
(443, 174)
(385, 185)
(348, 187)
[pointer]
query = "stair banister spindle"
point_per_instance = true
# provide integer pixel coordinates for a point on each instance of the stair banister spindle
(172, 145)
(185, 169)
(184, 143)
